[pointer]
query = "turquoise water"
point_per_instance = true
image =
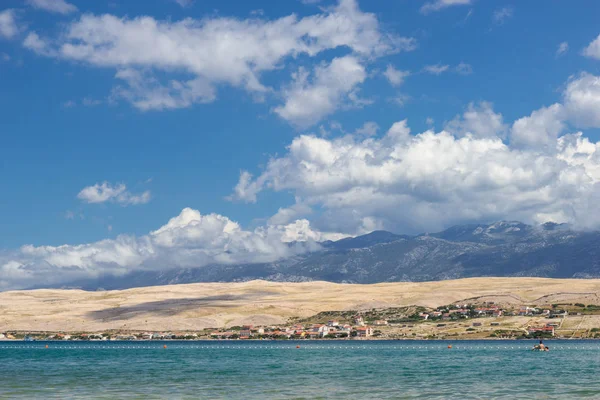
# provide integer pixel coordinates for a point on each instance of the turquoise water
(317, 370)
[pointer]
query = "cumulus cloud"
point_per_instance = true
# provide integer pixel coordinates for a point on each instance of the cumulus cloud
(438, 5)
(55, 6)
(8, 24)
(478, 120)
(189, 239)
(369, 128)
(308, 101)
(395, 76)
(428, 181)
(540, 129)
(105, 192)
(197, 55)
(34, 42)
(593, 49)
(582, 100)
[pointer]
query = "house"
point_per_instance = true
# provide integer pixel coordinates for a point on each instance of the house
(245, 333)
(423, 316)
(322, 330)
(247, 327)
(527, 311)
(460, 311)
(435, 314)
(545, 329)
(446, 316)
(380, 322)
(358, 320)
(497, 313)
(364, 331)
(333, 323)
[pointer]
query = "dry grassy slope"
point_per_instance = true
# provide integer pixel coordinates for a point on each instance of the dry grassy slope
(203, 305)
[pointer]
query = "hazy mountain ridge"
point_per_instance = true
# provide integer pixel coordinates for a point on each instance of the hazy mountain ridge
(504, 248)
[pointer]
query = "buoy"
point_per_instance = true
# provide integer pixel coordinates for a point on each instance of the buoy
(298, 346)
(46, 346)
(449, 346)
(165, 346)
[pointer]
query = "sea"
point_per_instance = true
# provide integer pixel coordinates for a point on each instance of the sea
(299, 370)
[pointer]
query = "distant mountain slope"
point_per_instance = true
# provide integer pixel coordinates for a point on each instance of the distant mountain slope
(505, 248)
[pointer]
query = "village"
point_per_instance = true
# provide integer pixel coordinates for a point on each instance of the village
(455, 321)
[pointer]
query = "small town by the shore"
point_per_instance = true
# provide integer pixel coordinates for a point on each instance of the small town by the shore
(455, 321)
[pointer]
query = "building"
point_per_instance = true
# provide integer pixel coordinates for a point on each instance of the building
(333, 323)
(245, 333)
(358, 320)
(423, 316)
(380, 322)
(541, 330)
(364, 331)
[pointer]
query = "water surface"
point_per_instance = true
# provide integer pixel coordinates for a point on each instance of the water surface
(316, 370)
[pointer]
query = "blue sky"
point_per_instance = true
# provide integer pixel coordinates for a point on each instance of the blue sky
(287, 116)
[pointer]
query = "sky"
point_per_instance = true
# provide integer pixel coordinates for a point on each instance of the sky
(182, 133)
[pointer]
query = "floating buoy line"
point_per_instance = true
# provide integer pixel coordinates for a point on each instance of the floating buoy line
(456, 347)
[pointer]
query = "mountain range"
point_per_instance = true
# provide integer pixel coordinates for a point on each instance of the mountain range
(504, 248)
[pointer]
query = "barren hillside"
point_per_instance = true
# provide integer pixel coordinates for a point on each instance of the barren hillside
(204, 305)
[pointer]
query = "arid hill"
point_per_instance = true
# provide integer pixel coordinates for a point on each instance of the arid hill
(204, 305)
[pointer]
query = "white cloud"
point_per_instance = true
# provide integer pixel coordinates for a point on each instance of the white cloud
(35, 43)
(187, 240)
(464, 69)
(593, 49)
(198, 55)
(540, 129)
(285, 215)
(147, 93)
(395, 76)
(479, 121)
(308, 101)
(428, 181)
(184, 3)
(562, 49)
(369, 128)
(436, 69)
(400, 99)
(438, 5)
(90, 102)
(582, 100)
(501, 15)
(55, 6)
(103, 192)
(8, 24)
